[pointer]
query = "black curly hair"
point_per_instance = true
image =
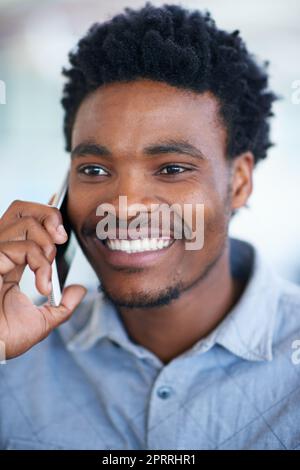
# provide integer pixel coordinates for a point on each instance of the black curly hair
(184, 49)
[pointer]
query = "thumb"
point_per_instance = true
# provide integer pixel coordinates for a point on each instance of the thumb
(71, 298)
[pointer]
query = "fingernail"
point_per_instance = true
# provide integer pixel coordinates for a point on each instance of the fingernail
(61, 231)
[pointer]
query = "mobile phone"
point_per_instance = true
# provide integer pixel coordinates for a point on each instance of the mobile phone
(65, 252)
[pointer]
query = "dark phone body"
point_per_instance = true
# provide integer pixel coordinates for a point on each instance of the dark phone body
(65, 252)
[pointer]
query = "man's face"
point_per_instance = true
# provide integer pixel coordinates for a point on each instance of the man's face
(126, 118)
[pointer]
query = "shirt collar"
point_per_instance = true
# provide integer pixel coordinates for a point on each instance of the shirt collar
(246, 331)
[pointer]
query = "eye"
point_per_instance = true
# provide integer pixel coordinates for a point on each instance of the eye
(173, 169)
(92, 170)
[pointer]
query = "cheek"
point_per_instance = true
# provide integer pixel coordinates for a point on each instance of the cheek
(210, 217)
(213, 236)
(201, 203)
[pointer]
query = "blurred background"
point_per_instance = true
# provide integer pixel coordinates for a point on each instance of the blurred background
(35, 38)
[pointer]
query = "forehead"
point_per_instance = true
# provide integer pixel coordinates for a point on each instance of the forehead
(143, 109)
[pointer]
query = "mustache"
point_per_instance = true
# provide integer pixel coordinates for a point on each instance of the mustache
(163, 224)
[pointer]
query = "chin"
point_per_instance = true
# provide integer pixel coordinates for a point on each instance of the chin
(142, 299)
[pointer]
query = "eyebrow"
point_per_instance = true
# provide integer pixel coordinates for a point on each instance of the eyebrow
(180, 146)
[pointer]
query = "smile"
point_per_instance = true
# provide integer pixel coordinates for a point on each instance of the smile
(139, 245)
(141, 252)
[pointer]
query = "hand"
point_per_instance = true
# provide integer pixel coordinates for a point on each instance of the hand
(28, 234)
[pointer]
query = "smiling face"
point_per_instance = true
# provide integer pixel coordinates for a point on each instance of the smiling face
(155, 144)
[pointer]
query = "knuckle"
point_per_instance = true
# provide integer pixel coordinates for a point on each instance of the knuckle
(15, 204)
(30, 222)
(3, 257)
(52, 216)
(56, 212)
(33, 247)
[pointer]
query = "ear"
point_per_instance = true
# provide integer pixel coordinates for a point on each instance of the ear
(241, 179)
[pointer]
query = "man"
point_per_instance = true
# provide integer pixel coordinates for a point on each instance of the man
(179, 349)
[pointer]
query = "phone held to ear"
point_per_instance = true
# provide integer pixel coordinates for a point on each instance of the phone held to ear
(66, 252)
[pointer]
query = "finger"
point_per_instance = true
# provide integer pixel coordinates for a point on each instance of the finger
(6, 265)
(22, 253)
(72, 296)
(28, 228)
(48, 216)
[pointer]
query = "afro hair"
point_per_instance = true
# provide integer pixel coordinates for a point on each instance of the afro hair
(184, 49)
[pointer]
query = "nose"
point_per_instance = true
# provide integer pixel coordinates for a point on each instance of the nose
(133, 193)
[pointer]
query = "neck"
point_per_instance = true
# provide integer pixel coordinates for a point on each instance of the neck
(172, 329)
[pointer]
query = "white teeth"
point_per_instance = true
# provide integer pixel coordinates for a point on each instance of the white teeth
(139, 245)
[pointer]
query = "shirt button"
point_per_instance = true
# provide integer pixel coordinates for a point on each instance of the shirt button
(164, 392)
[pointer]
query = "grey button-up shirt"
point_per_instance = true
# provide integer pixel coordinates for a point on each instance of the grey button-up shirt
(89, 386)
